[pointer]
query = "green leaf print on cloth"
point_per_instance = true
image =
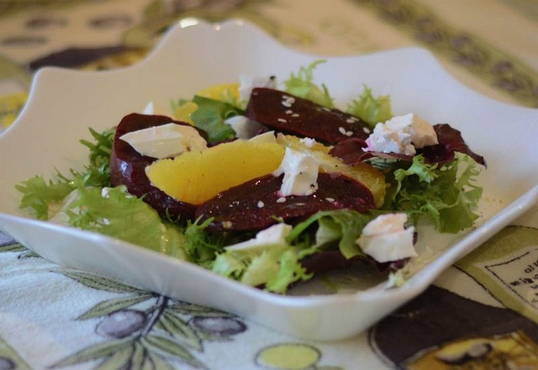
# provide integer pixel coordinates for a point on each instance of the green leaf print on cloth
(12, 246)
(10, 359)
(145, 330)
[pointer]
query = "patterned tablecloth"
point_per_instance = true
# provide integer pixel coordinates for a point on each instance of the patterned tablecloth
(481, 313)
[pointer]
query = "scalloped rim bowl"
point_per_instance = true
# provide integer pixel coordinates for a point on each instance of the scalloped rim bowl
(64, 103)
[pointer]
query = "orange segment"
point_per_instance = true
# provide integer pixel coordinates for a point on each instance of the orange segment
(195, 177)
(184, 111)
(228, 93)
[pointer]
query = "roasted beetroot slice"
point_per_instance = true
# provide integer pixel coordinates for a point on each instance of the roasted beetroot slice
(255, 204)
(328, 260)
(127, 167)
(289, 114)
(333, 259)
(351, 153)
(450, 141)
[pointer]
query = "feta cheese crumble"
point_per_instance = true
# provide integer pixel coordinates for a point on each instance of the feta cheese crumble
(243, 127)
(247, 83)
(272, 236)
(401, 134)
(308, 142)
(165, 141)
(385, 239)
(300, 173)
(149, 109)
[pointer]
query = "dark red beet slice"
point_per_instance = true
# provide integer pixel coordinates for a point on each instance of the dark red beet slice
(328, 260)
(332, 259)
(127, 167)
(254, 204)
(297, 116)
(450, 141)
(350, 151)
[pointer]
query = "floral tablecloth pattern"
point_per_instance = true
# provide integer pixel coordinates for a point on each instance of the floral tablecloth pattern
(481, 313)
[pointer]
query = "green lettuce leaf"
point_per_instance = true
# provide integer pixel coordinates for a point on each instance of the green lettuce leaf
(42, 197)
(38, 195)
(274, 266)
(210, 117)
(262, 268)
(229, 265)
(289, 270)
(201, 246)
(447, 196)
(301, 85)
(114, 212)
(344, 226)
(369, 109)
(97, 173)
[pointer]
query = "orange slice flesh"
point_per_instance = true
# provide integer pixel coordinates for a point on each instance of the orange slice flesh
(184, 111)
(195, 177)
(222, 92)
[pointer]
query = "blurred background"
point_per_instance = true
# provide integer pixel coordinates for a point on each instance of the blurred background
(490, 45)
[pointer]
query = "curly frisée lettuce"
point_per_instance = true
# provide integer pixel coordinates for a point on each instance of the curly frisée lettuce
(343, 226)
(302, 85)
(369, 109)
(201, 246)
(275, 267)
(446, 195)
(42, 196)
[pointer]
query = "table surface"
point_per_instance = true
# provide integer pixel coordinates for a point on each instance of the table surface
(62, 318)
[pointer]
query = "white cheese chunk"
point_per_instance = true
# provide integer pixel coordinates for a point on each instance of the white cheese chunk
(243, 127)
(422, 132)
(308, 142)
(267, 138)
(386, 139)
(300, 173)
(272, 236)
(165, 141)
(385, 239)
(149, 109)
(247, 83)
(402, 134)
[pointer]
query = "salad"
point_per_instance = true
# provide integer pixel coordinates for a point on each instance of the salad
(269, 184)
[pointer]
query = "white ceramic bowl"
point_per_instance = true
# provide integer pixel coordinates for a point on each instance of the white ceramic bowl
(64, 103)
